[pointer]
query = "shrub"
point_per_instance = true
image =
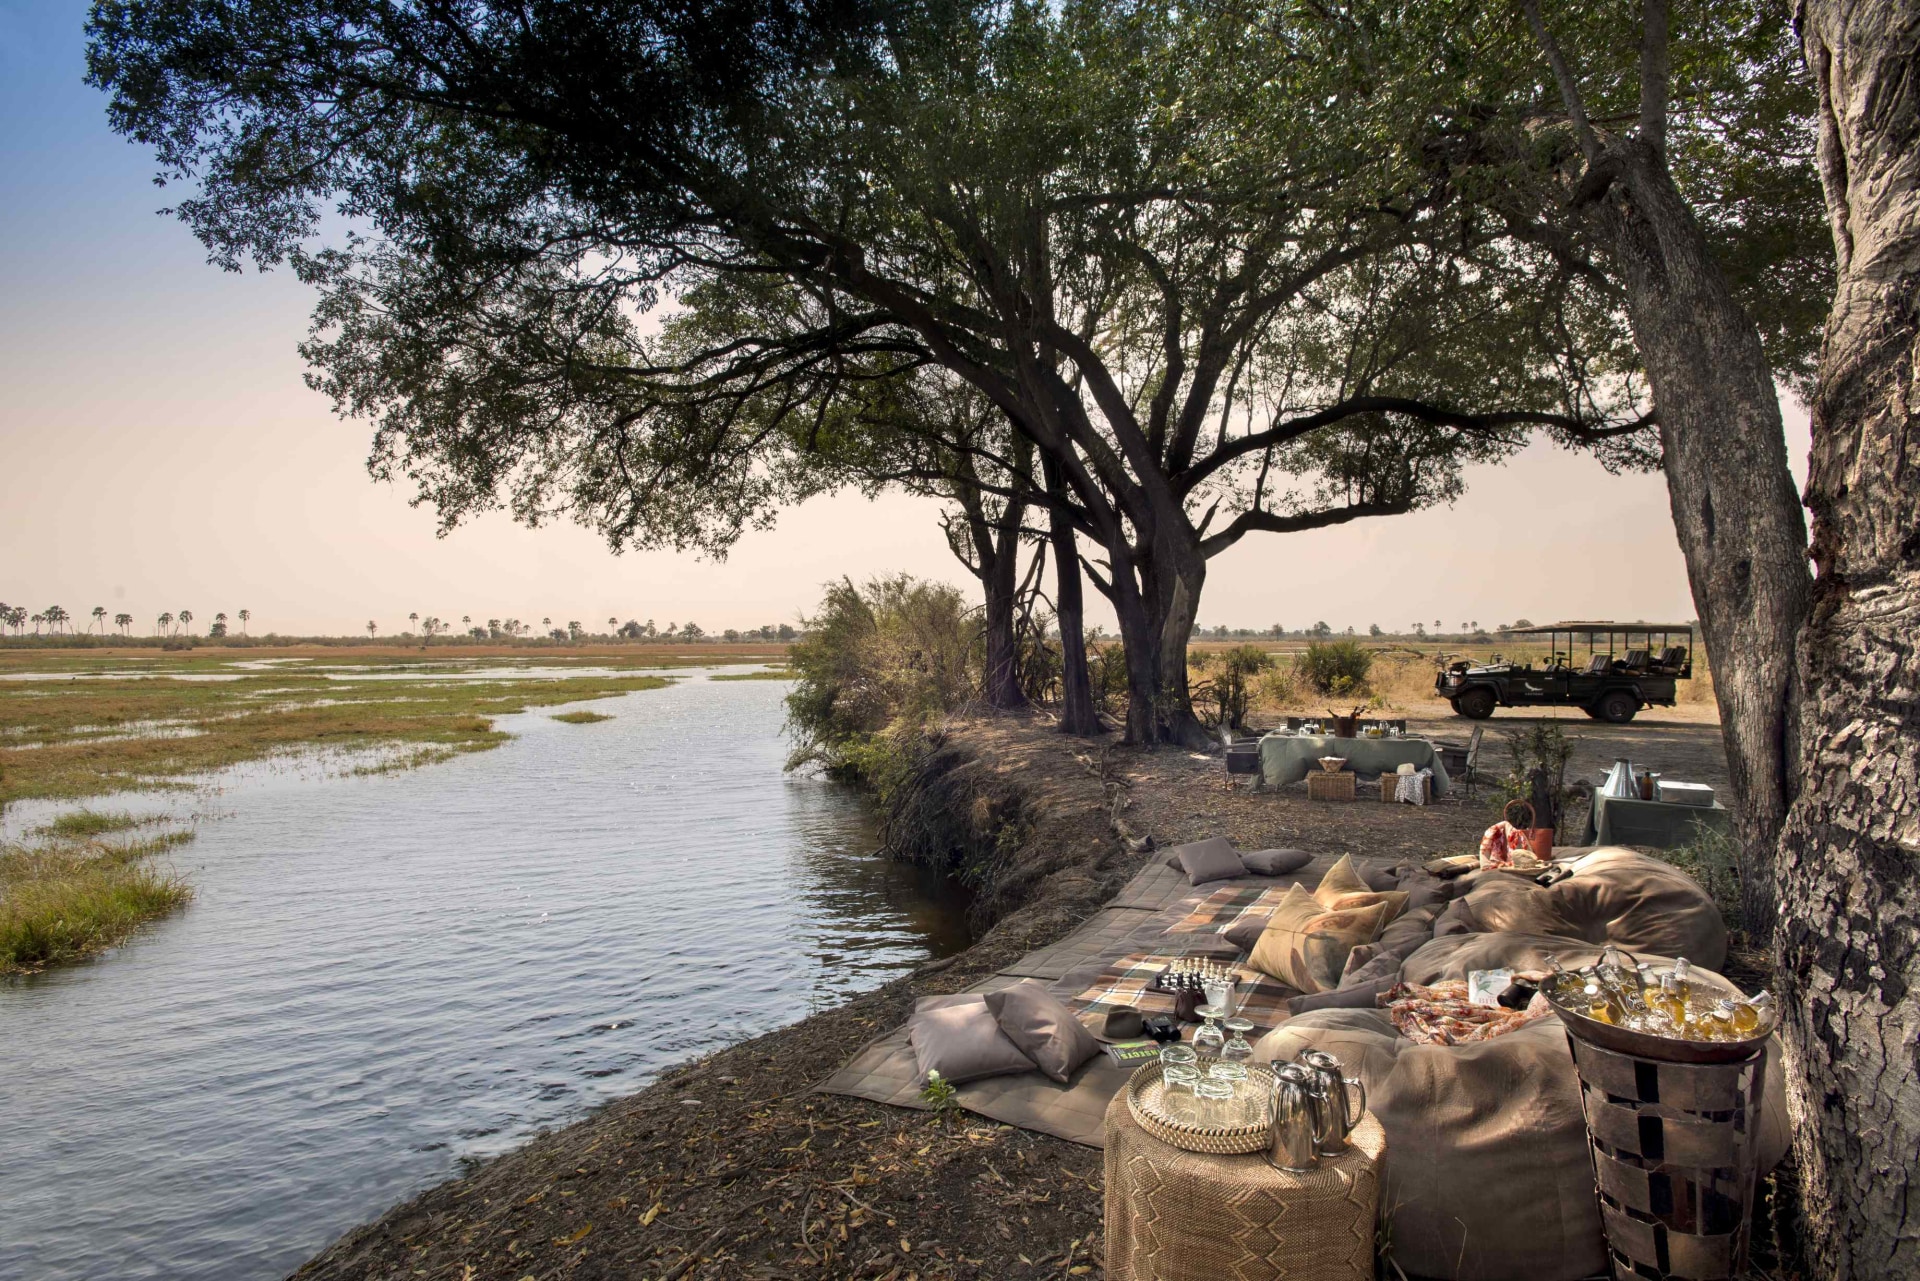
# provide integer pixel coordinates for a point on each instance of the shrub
(896, 652)
(1228, 684)
(1334, 667)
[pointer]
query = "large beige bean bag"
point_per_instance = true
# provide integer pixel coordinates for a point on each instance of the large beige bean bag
(1614, 896)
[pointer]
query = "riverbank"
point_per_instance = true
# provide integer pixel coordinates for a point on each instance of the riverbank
(732, 1167)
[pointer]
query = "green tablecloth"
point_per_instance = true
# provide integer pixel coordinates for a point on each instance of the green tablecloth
(1662, 825)
(1286, 758)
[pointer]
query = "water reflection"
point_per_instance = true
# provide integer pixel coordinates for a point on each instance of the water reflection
(382, 975)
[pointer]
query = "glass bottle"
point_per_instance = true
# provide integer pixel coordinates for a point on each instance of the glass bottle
(1672, 1004)
(1683, 978)
(1748, 1017)
(1601, 1004)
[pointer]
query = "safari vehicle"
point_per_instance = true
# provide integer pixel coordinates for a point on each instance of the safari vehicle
(1625, 667)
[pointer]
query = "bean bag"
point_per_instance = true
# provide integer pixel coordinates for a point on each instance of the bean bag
(1614, 896)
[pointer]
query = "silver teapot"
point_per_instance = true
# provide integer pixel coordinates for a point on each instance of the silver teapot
(1298, 1126)
(1330, 1095)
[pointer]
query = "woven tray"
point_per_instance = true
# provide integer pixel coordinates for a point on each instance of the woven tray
(1144, 1093)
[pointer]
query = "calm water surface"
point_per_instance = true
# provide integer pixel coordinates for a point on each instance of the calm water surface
(382, 975)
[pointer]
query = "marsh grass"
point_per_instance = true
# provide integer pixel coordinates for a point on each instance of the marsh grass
(67, 899)
(116, 731)
(775, 674)
(580, 718)
(85, 824)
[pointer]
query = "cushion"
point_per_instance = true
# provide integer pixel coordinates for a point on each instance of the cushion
(1404, 936)
(1042, 1028)
(1395, 901)
(958, 1037)
(1341, 879)
(1423, 890)
(1246, 931)
(1305, 946)
(1613, 896)
(1352, 996)
(1213, 859)
(1275, 862)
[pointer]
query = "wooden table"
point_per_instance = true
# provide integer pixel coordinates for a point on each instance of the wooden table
(1186, 1216)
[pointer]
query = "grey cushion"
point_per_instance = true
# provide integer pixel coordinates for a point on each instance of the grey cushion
(1361, 995)
(1275, 862)
(1042, 1028)
(1380, 879)
(1424, 890)
(1213, 859)
(958, 1037)
(1246, 931)
(1406, 934)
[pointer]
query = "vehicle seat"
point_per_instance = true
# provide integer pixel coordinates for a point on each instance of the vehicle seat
(1598, 664)
(1636, 659)
(1673, 657)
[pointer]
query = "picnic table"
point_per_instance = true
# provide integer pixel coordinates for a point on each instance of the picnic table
(1287, 758)
(1661, 825)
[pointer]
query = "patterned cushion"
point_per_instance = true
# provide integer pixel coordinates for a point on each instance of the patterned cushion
(1305, 945)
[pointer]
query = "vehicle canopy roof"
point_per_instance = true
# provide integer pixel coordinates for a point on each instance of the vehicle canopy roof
(1600, 626)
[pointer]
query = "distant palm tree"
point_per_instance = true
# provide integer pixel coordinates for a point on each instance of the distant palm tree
(546, 622)
(166, 621)
(245, 614)
(186, 620)
(37, 620)
(414, 619)
(55, 616)
(613, 625)
(100, 618)
(370, 627)
(123, 622)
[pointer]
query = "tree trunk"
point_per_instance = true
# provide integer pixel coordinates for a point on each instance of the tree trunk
(1848, 873)
(1077, 713)
(1728, 485)
(1002, 676)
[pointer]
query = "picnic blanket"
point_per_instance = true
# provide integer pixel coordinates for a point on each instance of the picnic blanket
(1129, 980)
(1221, 910)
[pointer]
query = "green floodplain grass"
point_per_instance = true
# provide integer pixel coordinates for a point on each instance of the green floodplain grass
(116, 726)
(65, 899)
(776, 674)
(580, 718)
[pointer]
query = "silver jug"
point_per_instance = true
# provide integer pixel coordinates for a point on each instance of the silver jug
(1296, 1135)
(1331, 1093)
(1620, 784)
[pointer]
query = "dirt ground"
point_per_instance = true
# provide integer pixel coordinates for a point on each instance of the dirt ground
(732, 1168)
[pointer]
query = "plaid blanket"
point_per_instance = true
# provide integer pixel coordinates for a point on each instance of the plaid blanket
(1129, 981)
(1219, 911)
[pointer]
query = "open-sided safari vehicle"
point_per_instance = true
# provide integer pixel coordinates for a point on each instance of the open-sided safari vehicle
(1624, 668)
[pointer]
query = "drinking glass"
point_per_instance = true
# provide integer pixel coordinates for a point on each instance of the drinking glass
(1238, 1049)
(1214, 1101)
(1177, 1096)
(1209, 1040)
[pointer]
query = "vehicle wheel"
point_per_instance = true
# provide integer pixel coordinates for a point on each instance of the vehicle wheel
(1475, 704)
(1619, 707)
(1592, 712)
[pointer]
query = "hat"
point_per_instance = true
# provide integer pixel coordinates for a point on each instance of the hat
(1406, 767)
(1122, 1024)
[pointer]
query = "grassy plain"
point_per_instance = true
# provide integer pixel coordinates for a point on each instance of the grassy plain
(581, 718)
(95, 722)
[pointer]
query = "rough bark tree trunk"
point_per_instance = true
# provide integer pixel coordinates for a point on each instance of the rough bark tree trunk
(1847, 941)
(1077, 712)
(1731, 494)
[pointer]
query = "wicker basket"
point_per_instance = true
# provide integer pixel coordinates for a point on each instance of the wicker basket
(1389, 784)
(1145, 1092)
(1322, 786)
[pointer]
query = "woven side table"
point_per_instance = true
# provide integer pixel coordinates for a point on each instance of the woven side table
(1325, 786)
(1184, 1216)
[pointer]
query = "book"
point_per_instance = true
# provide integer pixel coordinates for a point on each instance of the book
(1133, 1053)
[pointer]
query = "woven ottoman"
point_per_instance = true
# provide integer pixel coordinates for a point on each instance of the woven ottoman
(1185, 1216)
(1335, 786)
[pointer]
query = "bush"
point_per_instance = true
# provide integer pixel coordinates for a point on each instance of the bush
(1335, 667)
(877, 659)
(1228, 684)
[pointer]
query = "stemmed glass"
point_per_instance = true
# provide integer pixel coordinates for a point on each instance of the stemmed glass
(1208, 1039)
(1238, 1049)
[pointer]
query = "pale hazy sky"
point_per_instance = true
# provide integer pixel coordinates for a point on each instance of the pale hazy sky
(158, 450)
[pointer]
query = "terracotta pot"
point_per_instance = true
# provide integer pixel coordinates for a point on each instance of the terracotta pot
(1540, 841)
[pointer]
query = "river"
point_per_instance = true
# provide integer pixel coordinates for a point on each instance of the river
(383, 975)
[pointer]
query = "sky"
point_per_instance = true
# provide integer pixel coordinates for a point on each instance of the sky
(159, 450)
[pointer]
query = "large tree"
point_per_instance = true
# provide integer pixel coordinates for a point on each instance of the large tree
(1848, 875)
(1130, 227)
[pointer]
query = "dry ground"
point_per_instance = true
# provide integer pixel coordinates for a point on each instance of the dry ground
(731, 1167)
